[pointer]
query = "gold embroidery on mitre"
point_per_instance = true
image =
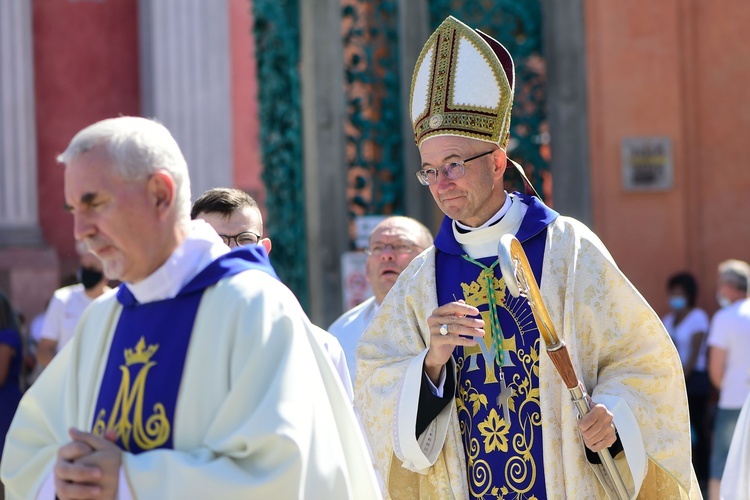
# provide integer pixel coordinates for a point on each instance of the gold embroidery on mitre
(156, 429)
(486, 123)
(435, 121)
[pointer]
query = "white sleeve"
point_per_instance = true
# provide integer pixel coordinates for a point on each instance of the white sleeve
(418, 454)
(717, 332)
(633, 464)
(342, 369)
(735, 483)
(53, 319)
(437, 391)
(702, 323)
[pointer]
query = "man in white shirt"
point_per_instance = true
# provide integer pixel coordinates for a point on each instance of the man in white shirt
(728, 362)
(67, 305)
(235, 216)
(392, 246)
(200, 377)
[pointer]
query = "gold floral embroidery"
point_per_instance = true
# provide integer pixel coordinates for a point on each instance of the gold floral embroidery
(495, 432)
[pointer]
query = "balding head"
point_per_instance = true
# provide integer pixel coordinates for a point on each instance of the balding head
(392, 246)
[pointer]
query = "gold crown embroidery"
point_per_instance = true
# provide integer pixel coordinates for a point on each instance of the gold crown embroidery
(140, 354)
(476, 292)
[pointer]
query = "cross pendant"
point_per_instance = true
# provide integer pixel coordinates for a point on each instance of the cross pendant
(502, 399)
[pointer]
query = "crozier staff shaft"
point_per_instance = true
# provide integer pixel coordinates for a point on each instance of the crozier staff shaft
(520, 280)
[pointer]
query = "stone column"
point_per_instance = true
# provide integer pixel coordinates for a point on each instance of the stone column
(565, 53)
(413, 32)
(19, 216)
(325, 166)
(186, 82)
(28, 268)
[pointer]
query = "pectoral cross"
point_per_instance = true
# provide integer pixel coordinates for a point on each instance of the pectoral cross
(505, 394)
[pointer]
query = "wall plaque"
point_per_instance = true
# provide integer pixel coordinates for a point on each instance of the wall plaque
(647, 163)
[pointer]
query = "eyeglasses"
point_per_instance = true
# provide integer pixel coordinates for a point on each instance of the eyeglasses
(241, 239)
(398, 248)
(451, 171)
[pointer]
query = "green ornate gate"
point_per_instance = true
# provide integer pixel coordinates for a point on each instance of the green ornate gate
(276, 32)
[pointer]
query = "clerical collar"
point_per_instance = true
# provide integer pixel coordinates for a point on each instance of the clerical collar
(463, 228)
(482, 241)
(201, 247)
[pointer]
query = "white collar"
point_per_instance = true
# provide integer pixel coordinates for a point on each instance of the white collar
(482, 241)
(499, 215)
(201, 247)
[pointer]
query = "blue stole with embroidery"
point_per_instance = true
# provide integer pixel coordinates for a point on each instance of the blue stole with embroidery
(503, 456)
(138, 393)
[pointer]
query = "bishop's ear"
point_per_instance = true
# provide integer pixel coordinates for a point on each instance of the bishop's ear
(500, 161)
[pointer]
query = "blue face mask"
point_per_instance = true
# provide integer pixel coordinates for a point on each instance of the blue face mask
(677, 302)
(723, 301)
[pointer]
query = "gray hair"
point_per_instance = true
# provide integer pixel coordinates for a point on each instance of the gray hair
(735, 273)
(137, 148)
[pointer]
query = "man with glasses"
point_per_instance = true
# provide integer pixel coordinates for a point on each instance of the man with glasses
(452, 387)
(392, 246)
(235, 215)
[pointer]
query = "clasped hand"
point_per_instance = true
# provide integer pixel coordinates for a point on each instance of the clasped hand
(88, 467)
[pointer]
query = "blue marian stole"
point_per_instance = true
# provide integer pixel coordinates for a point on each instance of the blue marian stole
(141, 382)
(498, 409)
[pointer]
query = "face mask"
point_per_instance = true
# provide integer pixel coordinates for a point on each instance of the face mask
(723, 301)
(89, 277)
(677, 302)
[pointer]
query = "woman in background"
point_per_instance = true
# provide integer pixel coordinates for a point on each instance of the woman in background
(11, 357)
(688, 327)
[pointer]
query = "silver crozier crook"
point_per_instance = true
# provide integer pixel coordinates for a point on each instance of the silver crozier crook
(520, 281)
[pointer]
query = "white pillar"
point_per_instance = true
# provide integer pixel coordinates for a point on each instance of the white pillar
(19, 216)
(186, 82)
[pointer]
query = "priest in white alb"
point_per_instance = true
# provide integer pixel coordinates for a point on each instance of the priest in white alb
(199, 377)
(455, 391)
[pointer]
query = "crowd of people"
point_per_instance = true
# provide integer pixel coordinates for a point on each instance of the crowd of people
(715, 364)
(200, 376)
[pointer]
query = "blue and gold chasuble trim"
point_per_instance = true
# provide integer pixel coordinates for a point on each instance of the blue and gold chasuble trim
(498, 409)
(141, 382)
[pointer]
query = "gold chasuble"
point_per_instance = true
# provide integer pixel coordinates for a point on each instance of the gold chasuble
(512, 432)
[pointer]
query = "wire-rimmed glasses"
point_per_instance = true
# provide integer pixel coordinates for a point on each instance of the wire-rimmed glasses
(452, 171)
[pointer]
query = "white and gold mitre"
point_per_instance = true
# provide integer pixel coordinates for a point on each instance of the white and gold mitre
(462, 85)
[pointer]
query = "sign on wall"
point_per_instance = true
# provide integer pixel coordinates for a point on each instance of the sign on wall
(647, 163)
(355, 288)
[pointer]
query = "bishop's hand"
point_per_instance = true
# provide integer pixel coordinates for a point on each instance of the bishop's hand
(597, 428)
(458, 327)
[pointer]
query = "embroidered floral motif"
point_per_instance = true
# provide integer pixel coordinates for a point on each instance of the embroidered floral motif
(495, 432)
